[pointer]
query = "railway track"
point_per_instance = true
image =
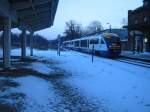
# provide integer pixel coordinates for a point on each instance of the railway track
(134, 62)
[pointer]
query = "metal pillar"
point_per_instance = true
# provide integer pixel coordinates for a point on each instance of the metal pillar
(129, 47)
(7, 43)
(23, 44)
(134, 42)
(148, 39)
(31, 43)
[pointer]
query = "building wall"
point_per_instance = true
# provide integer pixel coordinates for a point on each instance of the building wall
(139, 21)
(142, 17)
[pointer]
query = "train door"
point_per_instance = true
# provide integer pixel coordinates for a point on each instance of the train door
(103, 46)
(95, 42)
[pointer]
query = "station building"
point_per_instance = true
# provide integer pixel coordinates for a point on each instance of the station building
(139, 28)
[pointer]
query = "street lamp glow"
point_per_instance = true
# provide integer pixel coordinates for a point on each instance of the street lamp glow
(145, 40)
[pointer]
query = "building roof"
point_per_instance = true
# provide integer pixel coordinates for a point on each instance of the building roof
(122, 33)
(146, 0)
(33, 14)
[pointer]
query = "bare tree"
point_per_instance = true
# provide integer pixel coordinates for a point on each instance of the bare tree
(124, 22)
(95, 27)
(73, 30)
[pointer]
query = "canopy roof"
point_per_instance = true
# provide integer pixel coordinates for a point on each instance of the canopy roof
(32, 14)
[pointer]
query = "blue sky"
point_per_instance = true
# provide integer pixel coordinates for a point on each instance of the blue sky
(85, 11)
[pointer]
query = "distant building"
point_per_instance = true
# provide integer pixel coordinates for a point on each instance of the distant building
(139, 27)
(122, 33)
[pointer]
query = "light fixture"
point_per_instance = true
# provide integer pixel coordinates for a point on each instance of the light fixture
(145, 40)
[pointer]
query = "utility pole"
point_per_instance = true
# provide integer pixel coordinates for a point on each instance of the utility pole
(93, 53)
(134, 42)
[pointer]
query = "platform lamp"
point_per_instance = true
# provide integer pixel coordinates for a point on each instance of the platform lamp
(109, 27)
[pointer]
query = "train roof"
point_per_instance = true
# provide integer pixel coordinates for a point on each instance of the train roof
(94, 37)
(110, 34)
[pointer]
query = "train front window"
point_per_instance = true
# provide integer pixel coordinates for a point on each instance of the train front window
(102, 42)
(112, 40)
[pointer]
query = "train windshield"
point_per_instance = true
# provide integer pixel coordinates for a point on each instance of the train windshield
(112, 40)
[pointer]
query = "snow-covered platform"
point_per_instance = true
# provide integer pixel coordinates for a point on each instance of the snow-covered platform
(139, 56)
(72, 83)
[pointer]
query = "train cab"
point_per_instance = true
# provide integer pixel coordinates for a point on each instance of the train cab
(113, 44)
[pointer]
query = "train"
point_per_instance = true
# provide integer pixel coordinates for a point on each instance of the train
(104, 44)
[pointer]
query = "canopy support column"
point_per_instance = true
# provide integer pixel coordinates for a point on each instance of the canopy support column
(31, 43)
(7, 43)
(23, 44)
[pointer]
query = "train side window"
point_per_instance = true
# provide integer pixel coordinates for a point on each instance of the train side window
(94, 41)
(76, 43)
(102, 41)
(83, 43)
(88, 41)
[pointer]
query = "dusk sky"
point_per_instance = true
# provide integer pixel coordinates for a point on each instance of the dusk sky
(85, 11)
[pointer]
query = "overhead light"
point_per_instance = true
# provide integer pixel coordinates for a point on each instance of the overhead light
(145, 40)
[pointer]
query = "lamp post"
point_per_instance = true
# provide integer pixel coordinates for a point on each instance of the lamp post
(59, 41)
(109, 27)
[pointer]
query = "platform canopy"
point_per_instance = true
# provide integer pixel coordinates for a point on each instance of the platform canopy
(33, 15)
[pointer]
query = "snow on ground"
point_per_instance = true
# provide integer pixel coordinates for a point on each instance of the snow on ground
(38, 98)
(136, 53)
(121, 86)
(17, 52)
(144, 55)
(40, 67)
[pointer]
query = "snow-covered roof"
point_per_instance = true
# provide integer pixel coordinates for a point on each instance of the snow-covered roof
(33, 14)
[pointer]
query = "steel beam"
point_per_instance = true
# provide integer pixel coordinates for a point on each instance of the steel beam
(29, 12)
(44, 26)
(40, 15)
(6, 11)
(24, 5)
(34, 21)
(44, 23)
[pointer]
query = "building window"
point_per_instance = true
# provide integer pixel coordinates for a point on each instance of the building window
(145, 3)
(145, 40)
(145, 19)
(136, 22)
